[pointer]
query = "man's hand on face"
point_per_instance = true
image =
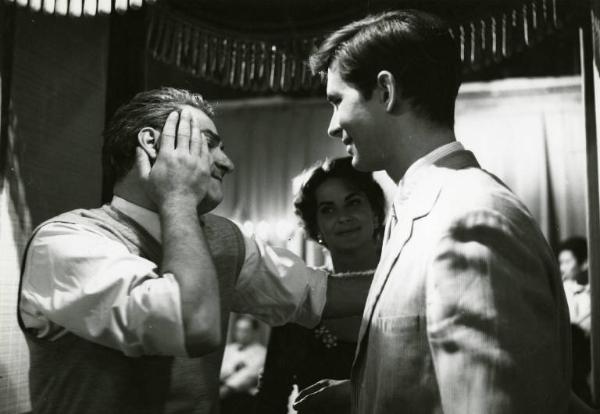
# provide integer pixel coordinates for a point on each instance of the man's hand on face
(181, 172)
(325, 396)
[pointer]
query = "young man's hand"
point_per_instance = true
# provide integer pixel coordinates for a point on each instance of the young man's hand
(325, 396)
(181, 172)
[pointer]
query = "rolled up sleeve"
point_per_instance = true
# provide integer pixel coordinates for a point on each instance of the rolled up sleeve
(80, 281)
(277, 287)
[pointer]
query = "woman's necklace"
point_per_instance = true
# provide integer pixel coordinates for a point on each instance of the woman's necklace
(365, 273)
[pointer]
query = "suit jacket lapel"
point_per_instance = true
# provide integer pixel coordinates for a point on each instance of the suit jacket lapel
(422, 192)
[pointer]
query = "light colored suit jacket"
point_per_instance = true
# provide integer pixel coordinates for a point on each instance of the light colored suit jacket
(466, 313)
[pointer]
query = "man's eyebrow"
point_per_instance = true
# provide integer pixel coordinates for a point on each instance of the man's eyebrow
(211, 134)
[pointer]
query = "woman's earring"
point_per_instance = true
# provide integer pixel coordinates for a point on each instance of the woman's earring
(319, 238)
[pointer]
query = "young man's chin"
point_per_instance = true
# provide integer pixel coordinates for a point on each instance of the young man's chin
(360, 164)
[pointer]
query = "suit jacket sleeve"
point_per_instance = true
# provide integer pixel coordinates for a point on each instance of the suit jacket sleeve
(492, 312)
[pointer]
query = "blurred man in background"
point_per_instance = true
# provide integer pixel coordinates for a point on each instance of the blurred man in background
(243, 361)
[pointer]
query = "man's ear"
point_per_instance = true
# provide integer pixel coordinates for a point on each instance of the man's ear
(148, 140)
(386, 90)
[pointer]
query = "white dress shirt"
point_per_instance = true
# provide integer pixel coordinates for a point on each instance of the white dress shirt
(410, 178)
(579, 302)
(78, 280)
(242, 365)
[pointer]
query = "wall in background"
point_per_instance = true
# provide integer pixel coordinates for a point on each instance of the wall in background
(54, 163)
(528, 132)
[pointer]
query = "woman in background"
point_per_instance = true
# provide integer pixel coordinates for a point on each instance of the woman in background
(343, 210)
(573, 262)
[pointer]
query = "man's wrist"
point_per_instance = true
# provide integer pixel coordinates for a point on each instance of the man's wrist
(181, 204)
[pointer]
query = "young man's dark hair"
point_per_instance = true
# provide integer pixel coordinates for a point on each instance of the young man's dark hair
(146, 109)
(305, 201)
(416, 47)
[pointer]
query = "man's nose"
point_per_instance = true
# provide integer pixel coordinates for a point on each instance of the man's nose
(334, 130)
(225, 163)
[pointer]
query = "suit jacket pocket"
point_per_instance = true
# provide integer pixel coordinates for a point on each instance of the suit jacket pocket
(398, 324)
(398, 371)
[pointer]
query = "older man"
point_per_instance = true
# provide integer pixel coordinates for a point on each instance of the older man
(125, 307)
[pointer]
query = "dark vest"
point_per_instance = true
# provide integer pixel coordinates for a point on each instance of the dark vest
(73, 375)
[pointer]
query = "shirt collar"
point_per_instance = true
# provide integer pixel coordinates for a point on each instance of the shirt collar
(148, 219)
(406, 183)
(431, 158)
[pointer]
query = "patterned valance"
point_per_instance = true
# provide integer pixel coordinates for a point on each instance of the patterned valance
(224, 43)
(78, 8)
(247, 60)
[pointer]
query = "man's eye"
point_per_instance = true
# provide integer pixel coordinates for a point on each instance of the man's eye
(212, 142)
(326, 210)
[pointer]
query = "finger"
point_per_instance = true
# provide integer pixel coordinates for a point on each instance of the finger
(308, 402)
(312, 388)
(204, 152)
(184, 131)
(167, 135)
(142, 162)
(196, 144)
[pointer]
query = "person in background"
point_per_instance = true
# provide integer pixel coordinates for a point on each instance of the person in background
(343, 210)
(243, 361)
(573, 263)
(125, 307)
(572, 259)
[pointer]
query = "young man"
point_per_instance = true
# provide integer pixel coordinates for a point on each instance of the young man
(466, 313)
(119, 303)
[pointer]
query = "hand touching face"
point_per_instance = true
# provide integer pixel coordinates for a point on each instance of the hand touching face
(190, 163)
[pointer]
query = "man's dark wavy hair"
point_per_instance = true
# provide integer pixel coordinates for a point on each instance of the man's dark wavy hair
(146, 109)
(305, 201)
(416, 47)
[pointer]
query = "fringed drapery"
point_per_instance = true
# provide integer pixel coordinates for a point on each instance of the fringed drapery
(243, 61)
(278, 63)
(78, 8)
(496, 37)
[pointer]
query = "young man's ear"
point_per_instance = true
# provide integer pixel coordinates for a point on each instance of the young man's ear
(148, 140)
(386, 90)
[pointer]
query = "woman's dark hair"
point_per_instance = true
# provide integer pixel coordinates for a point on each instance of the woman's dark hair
(305, 201)
(576, 245)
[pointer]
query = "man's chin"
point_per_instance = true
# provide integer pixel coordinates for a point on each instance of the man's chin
(359, 164)
(209, 203)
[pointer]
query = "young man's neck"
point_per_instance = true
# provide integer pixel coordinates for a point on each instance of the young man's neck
(417, 139)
